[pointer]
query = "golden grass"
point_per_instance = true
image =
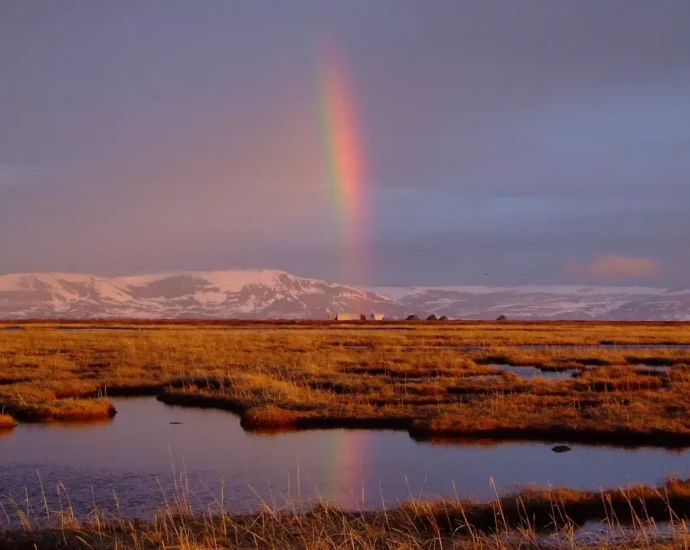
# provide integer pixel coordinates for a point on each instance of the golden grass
(62, 410)
(7, 422)
(562, 333)
(401, 376)
(521, 520)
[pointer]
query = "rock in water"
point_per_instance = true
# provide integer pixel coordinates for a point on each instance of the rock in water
(561, 449)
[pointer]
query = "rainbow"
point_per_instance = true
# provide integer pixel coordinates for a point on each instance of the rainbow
(345, 163)
(345, 168)
(349, 477)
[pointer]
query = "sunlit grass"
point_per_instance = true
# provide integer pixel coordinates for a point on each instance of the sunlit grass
(415, 377)
(7, 422)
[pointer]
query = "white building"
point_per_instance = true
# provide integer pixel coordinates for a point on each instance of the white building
(347, 316)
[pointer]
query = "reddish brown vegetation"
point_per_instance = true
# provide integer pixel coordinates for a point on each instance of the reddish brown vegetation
(302, 375)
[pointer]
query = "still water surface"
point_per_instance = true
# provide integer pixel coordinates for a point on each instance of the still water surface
(534, 372)
(139, 458)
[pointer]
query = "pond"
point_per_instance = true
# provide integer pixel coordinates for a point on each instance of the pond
(140, 459)
(534, 372)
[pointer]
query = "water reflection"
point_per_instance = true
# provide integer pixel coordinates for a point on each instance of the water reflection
(141, 457)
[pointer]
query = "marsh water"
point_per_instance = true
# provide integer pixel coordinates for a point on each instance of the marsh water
(150, 453)
(534, 372)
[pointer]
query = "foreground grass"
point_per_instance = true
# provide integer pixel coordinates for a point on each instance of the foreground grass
(527, 519)
(411, 377)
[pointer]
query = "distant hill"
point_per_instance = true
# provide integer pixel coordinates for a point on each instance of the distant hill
(545, 302)
(252, 294)
(269, 294)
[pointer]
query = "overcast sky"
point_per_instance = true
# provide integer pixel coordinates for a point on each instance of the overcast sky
(502, 142)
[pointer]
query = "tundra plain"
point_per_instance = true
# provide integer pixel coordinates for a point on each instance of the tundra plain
(630, 383)
(624, 384)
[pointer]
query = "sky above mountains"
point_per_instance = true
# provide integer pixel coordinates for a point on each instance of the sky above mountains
(541, 141)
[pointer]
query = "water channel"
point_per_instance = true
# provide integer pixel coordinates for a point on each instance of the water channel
(150, 453)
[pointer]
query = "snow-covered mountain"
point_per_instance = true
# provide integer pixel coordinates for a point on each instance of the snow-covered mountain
(545, 302)
(268, 294)
(251, 294)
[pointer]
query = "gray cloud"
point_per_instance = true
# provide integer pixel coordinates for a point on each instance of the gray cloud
(503, 138)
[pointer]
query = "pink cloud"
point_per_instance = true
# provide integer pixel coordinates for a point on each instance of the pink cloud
(616, 267)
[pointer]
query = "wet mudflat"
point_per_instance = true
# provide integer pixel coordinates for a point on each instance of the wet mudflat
(150, 452)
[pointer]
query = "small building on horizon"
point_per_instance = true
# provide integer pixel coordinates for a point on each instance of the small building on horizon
(342, 316)
(348, 316)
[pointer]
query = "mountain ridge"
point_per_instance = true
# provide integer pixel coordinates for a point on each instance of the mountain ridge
(276, 294)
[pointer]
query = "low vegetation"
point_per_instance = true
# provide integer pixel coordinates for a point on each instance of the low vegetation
(476, 333)
(436, 380)
(534, 518)
(61, 410)
(7, 422)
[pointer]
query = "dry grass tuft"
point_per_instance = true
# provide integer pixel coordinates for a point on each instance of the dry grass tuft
(531, 518)
(7, 422)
